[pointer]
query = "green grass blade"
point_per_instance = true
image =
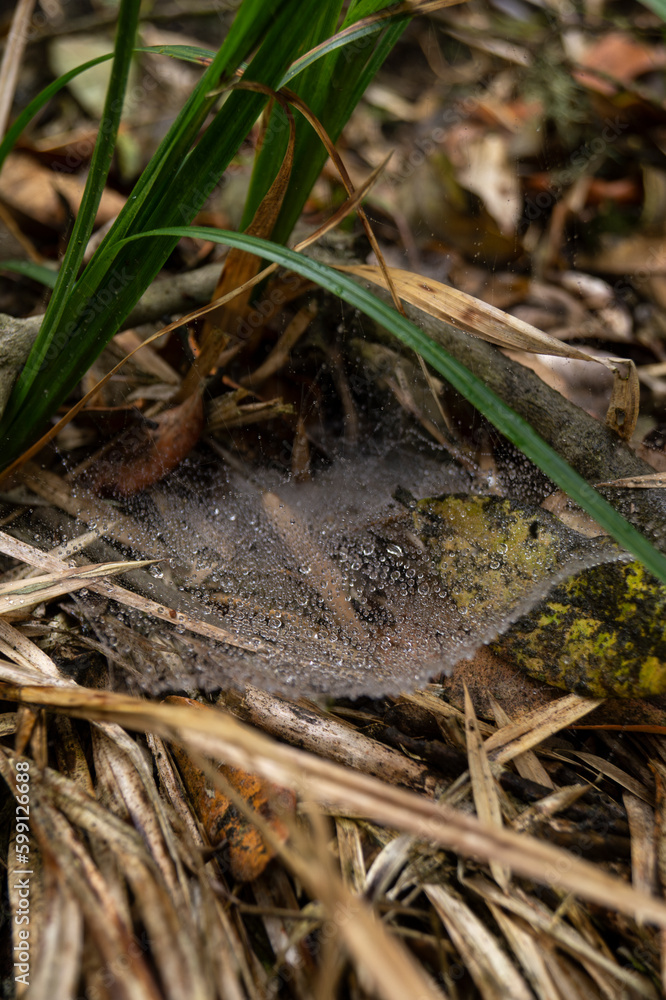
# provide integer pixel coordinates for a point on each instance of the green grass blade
(334, 43)
(180, 176)
(38, 102)
(269, 160)
(331, 87)
(186, 53)
(169, 193)
(128, 19)
(253, 20)
(506, 420)
(38, 272)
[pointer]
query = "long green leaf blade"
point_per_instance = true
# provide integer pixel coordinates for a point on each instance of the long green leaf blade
(128, 20)
(331, 87)
(42, 98)
(506, 420)
(169, 192)
(37, 272)
(186, 53)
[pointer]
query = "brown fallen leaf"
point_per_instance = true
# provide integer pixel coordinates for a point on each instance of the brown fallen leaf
(248, 852)
(28, 187)
(486, 169)
(635, 255)
(614, 59)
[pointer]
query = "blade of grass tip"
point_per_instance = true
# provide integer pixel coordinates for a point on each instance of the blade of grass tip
(128, 19)
(353, 33)
(346, 37)
(333, 112)
(186, 53)
(506, 420)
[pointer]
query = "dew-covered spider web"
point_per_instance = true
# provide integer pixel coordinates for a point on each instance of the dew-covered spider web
(327, 587)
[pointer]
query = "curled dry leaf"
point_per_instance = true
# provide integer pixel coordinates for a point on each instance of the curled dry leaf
(36, 191)
(497, 327)
(623, 407)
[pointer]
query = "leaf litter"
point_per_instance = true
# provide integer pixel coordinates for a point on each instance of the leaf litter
(550, 939)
